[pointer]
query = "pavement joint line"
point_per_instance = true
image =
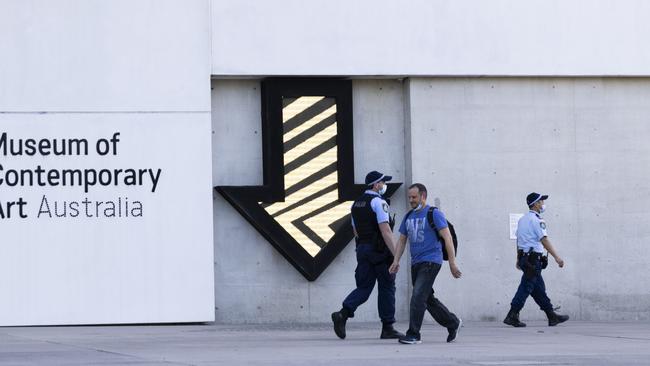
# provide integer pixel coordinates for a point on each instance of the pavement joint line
(517, 363)
(618, 337)
(126, 355)
(580, 344)
(97, 350)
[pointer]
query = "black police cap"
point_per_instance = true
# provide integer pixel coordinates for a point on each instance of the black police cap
(375, 177)
(534, 197)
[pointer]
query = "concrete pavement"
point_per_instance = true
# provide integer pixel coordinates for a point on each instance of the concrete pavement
(480, 343)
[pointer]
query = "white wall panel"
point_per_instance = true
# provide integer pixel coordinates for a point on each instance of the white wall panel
(424, 37)
(65, 261)
(121, 55)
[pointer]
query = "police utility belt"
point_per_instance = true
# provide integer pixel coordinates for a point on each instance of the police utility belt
(533, 257)
(377, 242)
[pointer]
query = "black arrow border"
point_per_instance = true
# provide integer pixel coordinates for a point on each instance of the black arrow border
(245, 198)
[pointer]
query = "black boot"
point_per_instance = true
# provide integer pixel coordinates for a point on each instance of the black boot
(453, 332)
(513, 319)
(555, 318)
(339, 319)
(388, 332)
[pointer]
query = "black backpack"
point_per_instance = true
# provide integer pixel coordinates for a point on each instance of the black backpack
(445, 256)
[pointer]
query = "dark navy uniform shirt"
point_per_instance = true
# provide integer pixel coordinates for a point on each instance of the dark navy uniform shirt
(379, 206)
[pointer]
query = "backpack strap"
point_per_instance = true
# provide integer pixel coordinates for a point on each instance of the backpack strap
(432, 224)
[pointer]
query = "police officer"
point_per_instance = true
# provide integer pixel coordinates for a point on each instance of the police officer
(375, 248)
(531, 242)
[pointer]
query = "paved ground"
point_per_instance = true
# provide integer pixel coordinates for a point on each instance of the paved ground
(572, 343)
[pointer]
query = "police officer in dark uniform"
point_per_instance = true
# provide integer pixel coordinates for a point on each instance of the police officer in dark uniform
(375, 248)
(531, 242)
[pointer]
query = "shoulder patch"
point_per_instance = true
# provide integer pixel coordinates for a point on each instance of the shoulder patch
(542, 224)
(384, 206)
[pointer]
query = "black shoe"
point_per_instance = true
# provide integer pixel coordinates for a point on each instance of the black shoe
(388, 332)
(555, 319)
(453, 332)
(409, 339)
(339, 319)
(513, 319)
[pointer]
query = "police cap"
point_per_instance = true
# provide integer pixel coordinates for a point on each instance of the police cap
(375, 177)
(534, 197)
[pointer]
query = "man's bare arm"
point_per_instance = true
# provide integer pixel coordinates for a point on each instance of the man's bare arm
(551, 250)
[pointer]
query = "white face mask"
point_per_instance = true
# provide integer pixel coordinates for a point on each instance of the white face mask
(542, 209)
(419, 206)
(383, 189)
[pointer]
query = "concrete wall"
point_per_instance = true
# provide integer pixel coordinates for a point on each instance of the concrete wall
(479, 144)
(254, 283)
(430, 37)
(482, 144)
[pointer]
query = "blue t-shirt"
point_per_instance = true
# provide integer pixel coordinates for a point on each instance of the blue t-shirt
(425, 246)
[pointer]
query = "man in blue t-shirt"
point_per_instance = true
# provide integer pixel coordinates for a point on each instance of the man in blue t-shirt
(426, 261)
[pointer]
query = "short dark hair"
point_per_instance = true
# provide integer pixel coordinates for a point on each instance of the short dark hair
(421, 188)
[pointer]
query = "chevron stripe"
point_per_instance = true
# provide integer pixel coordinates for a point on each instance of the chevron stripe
(294, 106)
(311, 210)
(293, 187)
(309, 133)
(330, 215)
(311, 198)
(307, 114)
(327, 113)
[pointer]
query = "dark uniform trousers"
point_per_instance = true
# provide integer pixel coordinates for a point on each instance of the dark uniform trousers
(532, 285)
(423, 275)
(372, 266)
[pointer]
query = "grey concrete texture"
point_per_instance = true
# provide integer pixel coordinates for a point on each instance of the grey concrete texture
(253, 282)
(481, 145)
(480, 343)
